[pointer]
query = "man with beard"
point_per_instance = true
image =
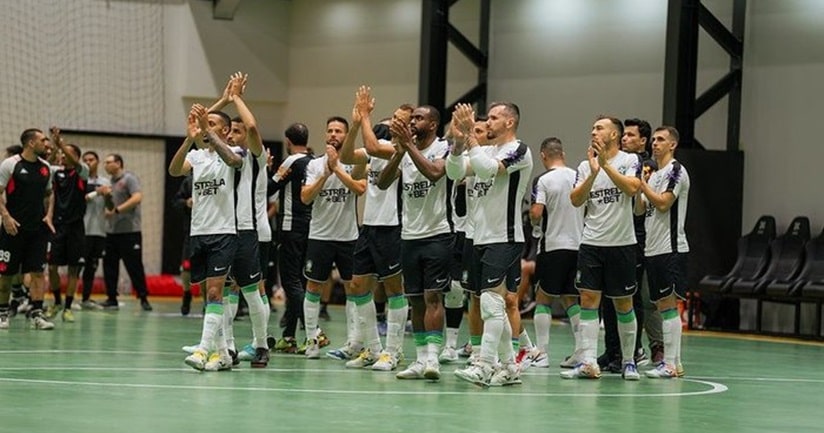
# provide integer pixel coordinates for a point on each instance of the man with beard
(333, 229)
(426, 234)
(25, 179)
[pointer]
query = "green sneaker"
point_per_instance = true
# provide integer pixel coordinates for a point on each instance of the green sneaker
(287, 345)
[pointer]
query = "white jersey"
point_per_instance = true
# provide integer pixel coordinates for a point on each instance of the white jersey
(264, 228)
(334, 212)
(95, 220)
(497, 217)
(213, 194)
(251, 195)
(665, 230)
(608, 220)
(562, 222)
(424, 201)
(471, 207)
(458, 221)
(382, 206)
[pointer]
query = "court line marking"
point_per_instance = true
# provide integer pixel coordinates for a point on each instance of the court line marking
(714, 388)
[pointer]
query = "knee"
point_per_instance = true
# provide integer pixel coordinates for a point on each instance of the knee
(492, 305)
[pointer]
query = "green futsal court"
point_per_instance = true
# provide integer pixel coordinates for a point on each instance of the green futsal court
(123, 372)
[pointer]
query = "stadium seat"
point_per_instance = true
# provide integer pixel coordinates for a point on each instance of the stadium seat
(786, 260)
(753, 258)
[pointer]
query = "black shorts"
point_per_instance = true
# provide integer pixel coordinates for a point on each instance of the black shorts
(320, 255)
(457, 265)
(24, 252)
(426, 263)
(67, 244)
(496, 264)
(93, 248)
(378, 252)
(469, 267)
(246, 262)
(610, 270)
(212, 256)
(665, 273)
(555, 272)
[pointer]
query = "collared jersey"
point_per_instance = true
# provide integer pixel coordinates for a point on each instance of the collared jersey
(497, 218)
(213, 194)
(334, 210)
(424, 202)
(382, 207)
(665, 230)
(608, 218)
(562, 222)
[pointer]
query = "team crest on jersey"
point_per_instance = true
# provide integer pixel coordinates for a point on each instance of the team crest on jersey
(44, 171)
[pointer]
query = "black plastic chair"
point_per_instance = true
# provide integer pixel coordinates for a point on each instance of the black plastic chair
(752, 261)
(786, 260)
(810, 281)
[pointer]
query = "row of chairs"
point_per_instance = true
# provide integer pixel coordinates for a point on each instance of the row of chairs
(784, 269)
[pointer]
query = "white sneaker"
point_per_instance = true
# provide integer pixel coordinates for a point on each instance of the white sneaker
(478, 373)
(365, 359)
(473, 358)
(190, 349)
(197, 360)
(4, 321)
(571, 361)
(218, 362)
(41, 323)
(432, 370)
(414, 371)
(584, 370)
(312, 349)
(509, 374)
(448, 355)
(662, 371)
(538, 358)
(386, 362)
(345, 353)
(630, 372)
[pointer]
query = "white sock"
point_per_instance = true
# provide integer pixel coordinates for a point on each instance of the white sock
(542, 320)
(397, 309)
(627, 330)
(230, 311)
(311, 312)
(493, 312)
(353, 337)
(588, 329)
(212, 322)
(506, 353)
(672, 340)
(267, 311)
(257, 314)
(524, 340)
(367, 319)
(452, 337)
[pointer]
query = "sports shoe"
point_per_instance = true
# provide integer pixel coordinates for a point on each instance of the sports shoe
(630, 372)
(247, 353)
(261, 359)
(344, 353)
(145, 305)
(90, 305)
(448, 355)
(662, 371)
(110, 304)
(537, 358)
(218, 362)
(365, 359)
(286, 345)
(465, 351)
(190, 349)
(432, 370)
(4, 321)
(312, 349)
(67, 316)
(233, 355)
(197, 359)
(641, 357)
(473, 358)
(571, 361)
(25, 306)
(478, 373)
(583, 370)
(521, 356)
(52, 310)
(41, 323)
(679, 370)
(615, 367)
(414, 371)
(386, 362)
(509, 374)
(382, 328)
(323, 340)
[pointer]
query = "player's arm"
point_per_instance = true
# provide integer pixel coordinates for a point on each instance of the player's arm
(253, 138)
